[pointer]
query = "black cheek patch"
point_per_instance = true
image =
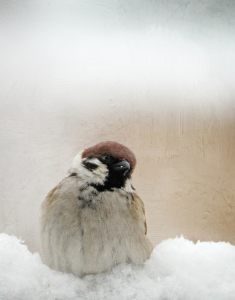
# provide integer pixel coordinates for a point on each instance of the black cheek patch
(90, 166)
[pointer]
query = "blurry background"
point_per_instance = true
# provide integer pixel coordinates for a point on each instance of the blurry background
(157, 76)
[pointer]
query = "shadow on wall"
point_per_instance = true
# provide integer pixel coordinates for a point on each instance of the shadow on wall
(184, 172)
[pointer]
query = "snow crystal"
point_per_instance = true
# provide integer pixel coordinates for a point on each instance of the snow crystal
(177, 269)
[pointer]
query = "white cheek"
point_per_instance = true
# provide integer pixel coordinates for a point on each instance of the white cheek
(96, 176)
(102, 169)
(128, 186)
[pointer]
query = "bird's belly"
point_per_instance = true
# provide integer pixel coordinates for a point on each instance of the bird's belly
(93, 239)
(101, 243)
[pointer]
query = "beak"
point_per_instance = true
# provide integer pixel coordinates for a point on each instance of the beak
(121, 167)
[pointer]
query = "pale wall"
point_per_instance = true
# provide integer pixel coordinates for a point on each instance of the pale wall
(158, 77)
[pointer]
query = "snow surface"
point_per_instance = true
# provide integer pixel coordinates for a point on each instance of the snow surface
(177, 269)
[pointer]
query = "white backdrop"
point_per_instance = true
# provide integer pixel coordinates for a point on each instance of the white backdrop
(157, 76)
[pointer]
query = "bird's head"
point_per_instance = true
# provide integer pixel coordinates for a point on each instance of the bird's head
(106, 165)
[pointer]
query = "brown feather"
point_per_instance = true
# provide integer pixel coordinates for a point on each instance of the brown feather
(139, 207)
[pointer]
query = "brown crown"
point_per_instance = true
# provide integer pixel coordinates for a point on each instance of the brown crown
(113, 149)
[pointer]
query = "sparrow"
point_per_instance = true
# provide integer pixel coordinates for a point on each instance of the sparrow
(94, 219)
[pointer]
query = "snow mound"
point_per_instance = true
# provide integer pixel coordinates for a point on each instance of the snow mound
(177, 269)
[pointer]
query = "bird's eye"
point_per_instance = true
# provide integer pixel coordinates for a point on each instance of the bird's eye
(106, 157)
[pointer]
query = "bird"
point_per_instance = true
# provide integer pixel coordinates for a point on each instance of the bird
(94, 219)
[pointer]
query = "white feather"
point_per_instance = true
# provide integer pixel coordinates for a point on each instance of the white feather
(96, 176)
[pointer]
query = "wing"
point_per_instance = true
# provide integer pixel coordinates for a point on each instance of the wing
(59, 221)
(66, 189)
(139, 207)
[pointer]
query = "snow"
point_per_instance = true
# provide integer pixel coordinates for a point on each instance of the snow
(177, 269)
